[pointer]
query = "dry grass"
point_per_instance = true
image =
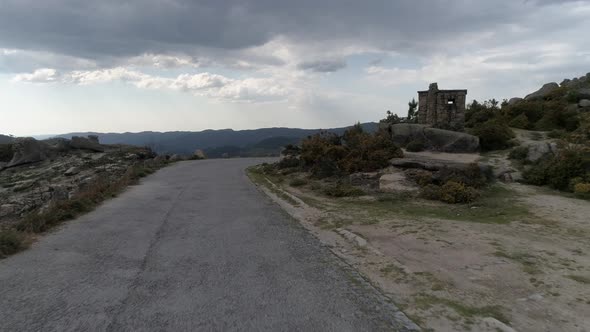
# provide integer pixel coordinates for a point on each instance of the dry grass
(17, 238)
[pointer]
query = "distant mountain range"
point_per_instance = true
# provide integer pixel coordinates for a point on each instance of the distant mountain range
(216, 143)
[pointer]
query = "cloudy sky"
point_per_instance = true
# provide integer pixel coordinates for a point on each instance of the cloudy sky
(111, 65)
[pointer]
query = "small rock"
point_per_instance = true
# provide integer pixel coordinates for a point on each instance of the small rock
(584, 103)
(72, 171)
(536, 297)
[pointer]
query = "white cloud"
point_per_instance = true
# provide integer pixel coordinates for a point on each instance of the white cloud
(44, 75)
(204, 84)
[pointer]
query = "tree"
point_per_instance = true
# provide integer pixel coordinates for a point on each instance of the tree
(412, 115)
(391, 118)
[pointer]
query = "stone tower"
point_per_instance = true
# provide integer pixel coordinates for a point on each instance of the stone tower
(443, 109)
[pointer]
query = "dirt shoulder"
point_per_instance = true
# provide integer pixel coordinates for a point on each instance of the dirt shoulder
(517, 259)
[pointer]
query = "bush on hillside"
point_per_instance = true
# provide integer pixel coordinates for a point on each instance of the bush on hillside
(520, 121)
(342, 190)
(478, 113)
(455, 192)
(451, 192)
(471, 176)
(493, 135)
(559, 171)
(288, 162)
(11, 242)
(582, 190)
(291, 150)
(327, 154)
(451, 185)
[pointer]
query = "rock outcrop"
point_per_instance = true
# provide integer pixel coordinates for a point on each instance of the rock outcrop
(91, 143)
(42, 172)
(434, 139)
(434, 165)
(543, 91)
(538, 150)
(514, 100)
(27, 150)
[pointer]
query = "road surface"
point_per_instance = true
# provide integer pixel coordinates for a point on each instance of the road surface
(194, 247)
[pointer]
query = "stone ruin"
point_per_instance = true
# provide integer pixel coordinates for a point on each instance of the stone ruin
(444, 109)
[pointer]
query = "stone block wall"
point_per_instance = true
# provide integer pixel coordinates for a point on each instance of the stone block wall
(443, 109)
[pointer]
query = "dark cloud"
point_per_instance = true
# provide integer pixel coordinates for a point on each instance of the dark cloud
(323, 66)
(107, 30)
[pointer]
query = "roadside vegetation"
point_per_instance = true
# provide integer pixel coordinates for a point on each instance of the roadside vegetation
(19, 236)
(409, 214)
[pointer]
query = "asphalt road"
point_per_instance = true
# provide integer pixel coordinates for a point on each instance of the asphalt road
(194, 247)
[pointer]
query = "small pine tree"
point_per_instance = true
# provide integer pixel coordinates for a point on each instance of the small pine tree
(412, 115)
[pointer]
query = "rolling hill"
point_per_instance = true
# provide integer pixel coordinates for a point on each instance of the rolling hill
(216, 143)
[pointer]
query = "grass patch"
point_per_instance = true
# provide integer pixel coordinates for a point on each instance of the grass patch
(529, 262)
(257, 176)
(11, 242)
(342, 190)
(580, 279)
(425, 301)
(497, 205)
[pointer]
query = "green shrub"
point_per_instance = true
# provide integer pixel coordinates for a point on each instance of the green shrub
(471, 176)
(520, 121)
(455, 192)
(451, 192)
(559, 171)
(415, 146)
(558, 118)
(367, 152)
(493, 135)
(536, 174)
(298, 182)
(291, 150)
(518, 153)
(478, 113)
(572, 97)
(11, 242)
(288, 162)
(582, 190)
(431, 192)
(567, 165)
(6, 152)
(327, 154)
(421, 177)
(342, 190)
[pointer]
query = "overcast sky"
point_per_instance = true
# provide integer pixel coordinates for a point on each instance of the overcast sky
(115, 66)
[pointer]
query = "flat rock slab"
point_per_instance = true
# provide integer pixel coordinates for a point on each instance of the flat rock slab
(194, 247)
